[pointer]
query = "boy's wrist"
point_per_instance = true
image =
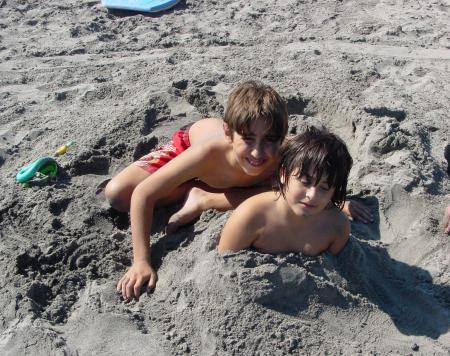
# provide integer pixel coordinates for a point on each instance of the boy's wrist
(139, 259)
(142, 263)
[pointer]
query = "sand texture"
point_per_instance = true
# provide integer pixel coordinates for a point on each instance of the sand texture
(374, 72)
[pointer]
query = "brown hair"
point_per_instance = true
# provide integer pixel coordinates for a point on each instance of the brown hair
(253, 100)
(323, 153)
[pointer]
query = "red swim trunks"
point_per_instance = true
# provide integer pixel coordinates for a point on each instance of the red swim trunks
(163, 154)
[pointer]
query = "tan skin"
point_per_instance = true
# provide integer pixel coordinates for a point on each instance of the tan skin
(220, 170)
(220, 161)
(304, 221)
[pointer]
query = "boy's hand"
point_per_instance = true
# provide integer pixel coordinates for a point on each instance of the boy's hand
(132, 281)
(447, 220)
(357, 211)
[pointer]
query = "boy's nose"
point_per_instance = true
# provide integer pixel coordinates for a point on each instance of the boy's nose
(311, 194)
(257, 150)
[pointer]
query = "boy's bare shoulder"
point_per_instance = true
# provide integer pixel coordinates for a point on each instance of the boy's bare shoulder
(245, 224)
(257, 207)
(340, 229)
(336, 220)
(261, 201)
(215, 145)
(210, 149)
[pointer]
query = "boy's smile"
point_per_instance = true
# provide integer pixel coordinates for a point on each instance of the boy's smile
(255, 162)
(256, 149)
(306, 205)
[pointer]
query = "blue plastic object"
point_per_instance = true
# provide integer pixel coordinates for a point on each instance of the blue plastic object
(44, 167)
(140, 5)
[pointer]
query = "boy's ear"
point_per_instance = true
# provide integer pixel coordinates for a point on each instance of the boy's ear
(282, 176)
(228, 131)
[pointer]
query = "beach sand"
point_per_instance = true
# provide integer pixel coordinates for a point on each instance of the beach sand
(119, 83)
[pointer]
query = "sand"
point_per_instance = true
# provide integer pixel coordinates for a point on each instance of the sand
(117, 83)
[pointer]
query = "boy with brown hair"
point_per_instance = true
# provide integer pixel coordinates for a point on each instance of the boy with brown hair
(305, 214)
(240, 151)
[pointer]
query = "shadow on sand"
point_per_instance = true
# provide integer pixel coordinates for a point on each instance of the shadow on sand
(406, 293)
(416, 305)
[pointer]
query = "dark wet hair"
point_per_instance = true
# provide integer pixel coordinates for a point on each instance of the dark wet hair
(320, 151)
(253, 100)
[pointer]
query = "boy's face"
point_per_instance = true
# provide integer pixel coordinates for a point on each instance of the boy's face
(256, 149)
(306, 199)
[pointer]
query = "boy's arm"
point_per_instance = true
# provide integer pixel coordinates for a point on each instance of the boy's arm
(190, 164)
(342, 235)
(241, 229)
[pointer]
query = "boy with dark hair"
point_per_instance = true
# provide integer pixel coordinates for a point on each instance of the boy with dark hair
(305, 214)
(240, 151)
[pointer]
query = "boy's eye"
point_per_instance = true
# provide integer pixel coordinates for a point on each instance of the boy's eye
(325, 188)
(305, 181)
(272, 139)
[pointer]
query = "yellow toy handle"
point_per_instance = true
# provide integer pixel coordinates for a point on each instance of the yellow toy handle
(63, 149)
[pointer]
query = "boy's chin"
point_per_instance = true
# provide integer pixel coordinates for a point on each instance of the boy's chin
(303, 213)
(253, 170)
(254, 173)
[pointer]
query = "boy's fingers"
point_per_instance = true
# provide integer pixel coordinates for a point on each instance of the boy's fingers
(447, 226)
(369, 215)
(360, 212)
(137, 288)
(365, 210)
(361, 218)
(366, 215)
(119, 285)
(447, 221)
(121, 282)
(129, 289)
(124, 290)
(152, 283)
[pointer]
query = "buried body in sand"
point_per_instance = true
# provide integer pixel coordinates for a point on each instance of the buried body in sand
(304, 215)
(242, 151)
